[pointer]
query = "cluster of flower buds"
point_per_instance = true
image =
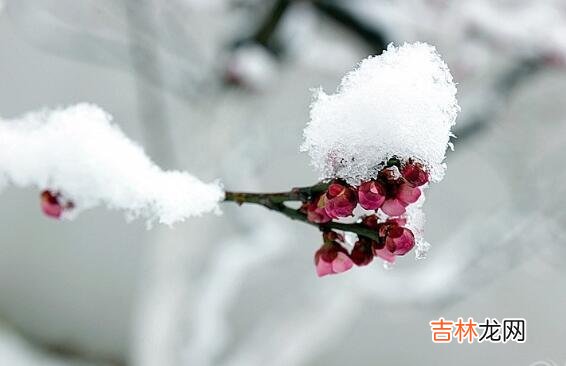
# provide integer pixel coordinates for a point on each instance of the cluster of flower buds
(395, 187)
(394, 240)
(53, 204)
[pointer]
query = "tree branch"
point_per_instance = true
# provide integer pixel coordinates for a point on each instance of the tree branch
(276, 202)
(369, 33)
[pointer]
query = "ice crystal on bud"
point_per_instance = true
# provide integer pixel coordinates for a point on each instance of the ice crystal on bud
(421, 249)
(401, 103)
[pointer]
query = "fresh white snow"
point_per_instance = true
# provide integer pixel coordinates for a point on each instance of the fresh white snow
(80, 153)
(400, 103)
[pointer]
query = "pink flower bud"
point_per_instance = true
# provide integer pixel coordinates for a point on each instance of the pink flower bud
(341, 200)
(53, 205)
(414, 174)
(371, 195)
(384, 227)
(331, 258)
(316, 211)
(50, 205)
(384, 254)
(399, 240)
(408, 194)
(362, 253)
(393, 207)
(395, 239)
(334, 263)
(399, 197)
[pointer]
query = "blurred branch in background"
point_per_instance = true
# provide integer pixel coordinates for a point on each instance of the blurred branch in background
(18, 351)
(267, 29)
(476, 255)
(101, 34)
(504, 87)
(264, 33)
(372, 35)
(184, 61)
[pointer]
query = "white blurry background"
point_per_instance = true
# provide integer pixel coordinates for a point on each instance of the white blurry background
(221, 88)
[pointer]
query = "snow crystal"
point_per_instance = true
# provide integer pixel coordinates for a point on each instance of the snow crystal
(415, 214)
(81, 154)
(421, 249)
(400, 103)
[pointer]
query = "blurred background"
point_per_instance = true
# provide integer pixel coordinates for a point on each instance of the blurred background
(221, 88)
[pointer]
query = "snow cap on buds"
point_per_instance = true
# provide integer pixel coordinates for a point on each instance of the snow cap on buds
(341, 200)
(331, 258)
(402, 103)
(371, 195)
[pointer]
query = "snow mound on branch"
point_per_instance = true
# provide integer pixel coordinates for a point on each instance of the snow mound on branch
(81, 154)
(400, 103)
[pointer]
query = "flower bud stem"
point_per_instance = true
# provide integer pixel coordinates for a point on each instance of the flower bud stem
(276, 202)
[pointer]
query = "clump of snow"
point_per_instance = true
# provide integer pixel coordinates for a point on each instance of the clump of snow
(81, 154)
(401, 103)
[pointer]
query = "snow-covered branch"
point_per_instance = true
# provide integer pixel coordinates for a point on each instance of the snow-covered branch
(78, 154)
(377, 143)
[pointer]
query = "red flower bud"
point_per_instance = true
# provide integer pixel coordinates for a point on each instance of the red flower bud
(393, 207)
(53, 205)
(399, 197)
(395, 239)
(371, 195)
(316, 211)
(362, 253)
(341, 200)
(399, 240)
(331, 258)
(384, 254)
(414, 174)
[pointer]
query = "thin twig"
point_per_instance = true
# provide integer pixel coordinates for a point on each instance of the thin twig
(276, 202)
(368, 32)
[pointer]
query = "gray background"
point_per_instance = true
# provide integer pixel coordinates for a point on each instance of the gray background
(240, 288)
